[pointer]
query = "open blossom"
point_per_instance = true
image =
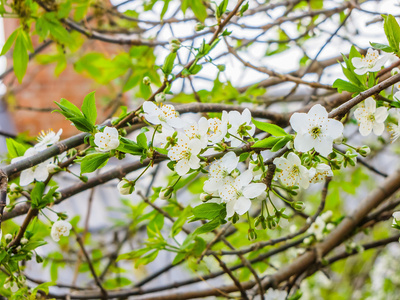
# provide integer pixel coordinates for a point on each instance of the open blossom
(370, 118)
(321, 172)
(315, 130)
(48, 138)
(272, 294)
(217, 128)
(292, 171)
(396, 217)
(107, 140)
(185, 153)
(370, 63)
(60, 228)
(237, 192)
(38, 172)
(198, 130)
(239, 126)
(219, 172)
(317, 228)
(395, 129)
(162, 114)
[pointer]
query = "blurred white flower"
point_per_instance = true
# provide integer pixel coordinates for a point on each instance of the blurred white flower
(60, 228)
(240, 126)
(125, 187)
(292, 171)
(321, 172)
(48, 138)
(217, 128)
(317, 228)
(370, 63)
(198, 130)
(107, 140)
(370, 118)
(38, 172)
(185, 153)
(162, 114)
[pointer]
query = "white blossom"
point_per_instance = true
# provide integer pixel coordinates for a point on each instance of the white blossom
(162, 114)
(185, 153)
(395, 129)
(292, 171)
(370, 118)
(396, 217)
(38, 172)
(12, 285)
(124, 187)
(162, 138)
(107, 140)
(370, 63)
(317, 228)
(321, 172)
(239, 126)
(219, 171)
(60, 228)
(272, 294)
(48, 138)
(315, 130)
(198, 130)
(237, 192)
(217, 128)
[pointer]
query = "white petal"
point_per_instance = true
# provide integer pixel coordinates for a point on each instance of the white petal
(293, 159)
(378, 128)
(41, 173)
(230, 161)
(317, 111)
(195, 146)
(281, 163)
(381, 114)
(254, 190)
(182, 167)
(211, 185)
(361, 114)
(27, 177)
(194, 162)
(357, 62)
(150, 108)
(230, 208)
(244, 178)
(203, 126)
(304, 178)
(299, 122)
(361, 71)
(303, 143)
(324, 146)
(111, 131)
(242, 205)
(176, 123)
(370, 104)
(246, 116)
(334, 128)
(365, 128)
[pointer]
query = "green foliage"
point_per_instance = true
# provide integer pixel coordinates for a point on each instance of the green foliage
(392, 31)
(93, 162)
(272, 129)
(15, 149)
(39, 199)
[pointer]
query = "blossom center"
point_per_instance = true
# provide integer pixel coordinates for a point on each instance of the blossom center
(371, 118)
(315, 132)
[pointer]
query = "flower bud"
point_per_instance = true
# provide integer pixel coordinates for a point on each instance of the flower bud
(395, 71)
(8, 237)
(221, 68)
(166, 193)
(205, 197)
(339, 140)
(126, 187)
(199, 27)
(251, 235)
(326, 216)
(235, 218)
(160, 97)
(14, 187)
(24, 241)
(146, 80)
(330, 227)
(364, 150)
(84, 178)
(18, 249)
(39, 259)
(53, 168)
(299, 205)
(307, 241)
(174, 44)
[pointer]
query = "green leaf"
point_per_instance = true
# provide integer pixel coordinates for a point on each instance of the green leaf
(15, 149)
(36, 194)
(343, 85)
(382, 47)
(268, 142)
(20, 57)
(178, 224)
(33, 245)
(270, 128)
(92, 162)
(89, 108)
(392, 31)
(207, 211)
(128, 146)
(210, 226)
(10, 41)
(222, 8)
(199, 9)
(244, 8)
(142, 140)
(281, 143)
(169, 63)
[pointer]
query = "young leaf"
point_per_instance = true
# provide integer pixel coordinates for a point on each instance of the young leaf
(281, 143)
(342, 85)
(128, 146)
(20, 57)
(94, 161)
(270, 128)
(89, 108)
(268, 142)
(9, 42)
(206, 211)
(169, 63)
(384, 48)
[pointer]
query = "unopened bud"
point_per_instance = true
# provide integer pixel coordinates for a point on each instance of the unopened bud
(24, 241)
(126, 187)
(221, 68)
(14, 187)
(364, 150)
(160, 97)
(174, 44)
(339, 140)
(251, 235)
(395, 71)
(8, 237)
(146, 80)
(166, 193)
(299, 205)
(205, 197)
(53, 168)
(235, 173)
(199, 27)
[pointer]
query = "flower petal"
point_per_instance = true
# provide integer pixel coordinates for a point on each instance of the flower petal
(299, 122)
(365, 128)
(381, 114)
(182, 167)
(334, 128)
(254, 190)
(303, 143)
(370, 104)
(230, 161)
(378, 128)
(242, 205)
